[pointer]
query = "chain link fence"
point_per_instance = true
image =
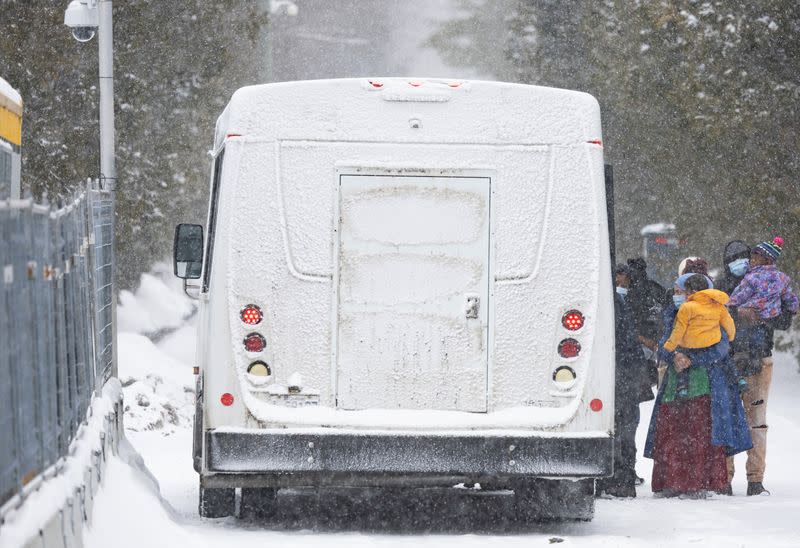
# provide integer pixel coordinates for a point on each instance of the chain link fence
(56, 331)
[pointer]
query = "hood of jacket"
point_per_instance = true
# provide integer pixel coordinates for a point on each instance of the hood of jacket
(710, 296)
(735, 249)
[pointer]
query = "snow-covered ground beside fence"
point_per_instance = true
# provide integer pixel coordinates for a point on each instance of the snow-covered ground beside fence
(133, 512)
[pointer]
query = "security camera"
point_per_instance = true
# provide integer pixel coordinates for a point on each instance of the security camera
(83, 34)
(81, 16)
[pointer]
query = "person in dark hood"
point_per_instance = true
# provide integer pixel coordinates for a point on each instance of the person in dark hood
(646, 298)
(736, 259)
(629, 391)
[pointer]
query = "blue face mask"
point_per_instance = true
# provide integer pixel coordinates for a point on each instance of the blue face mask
(678, 300)
(739, 267)
(622, 291)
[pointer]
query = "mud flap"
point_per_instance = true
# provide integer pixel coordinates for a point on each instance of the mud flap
(217, 502)
(257, 503)
(554, 500)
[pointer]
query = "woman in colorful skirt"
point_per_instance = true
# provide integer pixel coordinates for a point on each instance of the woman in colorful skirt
(693, 432)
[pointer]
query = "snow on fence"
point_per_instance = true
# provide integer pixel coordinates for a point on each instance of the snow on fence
(55, 328)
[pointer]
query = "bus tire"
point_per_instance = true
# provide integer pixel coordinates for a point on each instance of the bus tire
(554, 500)
(257, 503)
(217, 502)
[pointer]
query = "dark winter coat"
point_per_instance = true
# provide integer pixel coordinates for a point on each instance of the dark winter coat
(632, 383)
(646, 299)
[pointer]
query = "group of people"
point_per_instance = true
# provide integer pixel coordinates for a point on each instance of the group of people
(707, 346)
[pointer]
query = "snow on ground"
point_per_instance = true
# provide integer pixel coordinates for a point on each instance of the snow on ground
(49, 493)
(162, 372)
(158, 390)
(157, 304)
(157, 382)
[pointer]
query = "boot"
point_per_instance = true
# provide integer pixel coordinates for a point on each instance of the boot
(756, 488)
(728, 491)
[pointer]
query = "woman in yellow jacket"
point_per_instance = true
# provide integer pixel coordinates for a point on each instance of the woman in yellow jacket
(698, 322)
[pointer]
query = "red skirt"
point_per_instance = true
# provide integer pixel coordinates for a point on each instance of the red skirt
(684, 461)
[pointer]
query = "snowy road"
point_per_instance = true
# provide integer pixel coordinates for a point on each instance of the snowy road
(128, 500)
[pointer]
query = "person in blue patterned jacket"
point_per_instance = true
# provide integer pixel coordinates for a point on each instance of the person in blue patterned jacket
(761, 302)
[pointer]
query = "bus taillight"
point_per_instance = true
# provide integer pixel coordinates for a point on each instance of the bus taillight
(569, 348)
(251, 314)
(254, 342)
(572, 320)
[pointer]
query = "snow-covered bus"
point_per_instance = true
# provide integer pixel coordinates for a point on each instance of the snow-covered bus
(403, 283)
(10, 141)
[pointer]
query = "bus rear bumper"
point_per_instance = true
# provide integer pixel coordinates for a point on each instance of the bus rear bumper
(285, 457)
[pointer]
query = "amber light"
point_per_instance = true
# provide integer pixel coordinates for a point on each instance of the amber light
(569, 348)
(572, 320)
(251, 314)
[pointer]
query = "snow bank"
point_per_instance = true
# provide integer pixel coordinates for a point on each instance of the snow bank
(10, 92)
(159, 390)
(130, 513)
(157, 304)
(55, 493)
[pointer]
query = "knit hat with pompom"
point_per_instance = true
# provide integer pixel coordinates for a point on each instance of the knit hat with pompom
(770, 250)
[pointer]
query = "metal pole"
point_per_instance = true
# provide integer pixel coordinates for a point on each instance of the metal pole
(108, 167)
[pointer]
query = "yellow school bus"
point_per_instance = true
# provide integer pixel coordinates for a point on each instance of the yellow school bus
(10, 140)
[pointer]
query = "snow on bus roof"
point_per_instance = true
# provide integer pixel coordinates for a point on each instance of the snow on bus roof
(9, 92)
(352, 109)
(657, 228)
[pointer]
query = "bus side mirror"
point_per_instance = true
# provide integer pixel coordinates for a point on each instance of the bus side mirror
(187, 252)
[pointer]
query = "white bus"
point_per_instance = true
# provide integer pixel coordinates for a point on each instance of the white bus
(403, 282)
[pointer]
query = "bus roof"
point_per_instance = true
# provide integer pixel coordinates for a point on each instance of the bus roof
(411, 110)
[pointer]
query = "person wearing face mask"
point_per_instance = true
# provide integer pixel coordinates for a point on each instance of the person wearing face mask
(622, 280)
(736, 260)
(631, 388)
(627, 396)
(690, 434)
(763, 301)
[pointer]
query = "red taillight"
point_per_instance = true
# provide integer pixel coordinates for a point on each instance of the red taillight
(254, 342)
(661, 240)
(596, 405)
(572, 320)
(569, 348)
(226, 399)
(376, 84)
(251, 314)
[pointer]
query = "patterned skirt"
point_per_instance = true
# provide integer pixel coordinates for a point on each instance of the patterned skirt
(684, 461)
